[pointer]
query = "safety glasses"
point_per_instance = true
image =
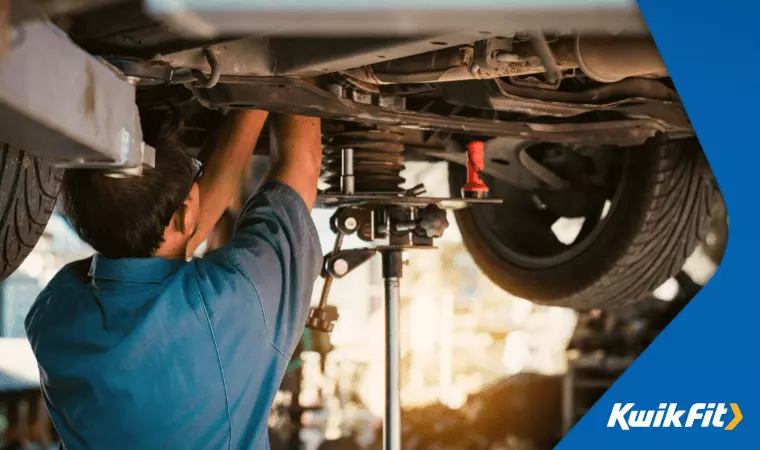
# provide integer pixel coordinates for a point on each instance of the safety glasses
(198, 168)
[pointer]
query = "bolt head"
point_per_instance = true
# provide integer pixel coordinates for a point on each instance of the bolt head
(340, 267)
(350, 223)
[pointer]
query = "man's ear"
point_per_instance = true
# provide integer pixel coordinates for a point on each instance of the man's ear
(179, 218)
(190, 210)
(183, 219)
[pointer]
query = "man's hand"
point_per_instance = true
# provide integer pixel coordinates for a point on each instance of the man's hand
(296, 154)
(224, 169)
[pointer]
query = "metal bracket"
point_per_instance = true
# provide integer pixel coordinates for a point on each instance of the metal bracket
(342, 263)
(486, 52)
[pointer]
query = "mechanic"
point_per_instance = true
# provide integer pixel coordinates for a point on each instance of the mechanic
(139, 347)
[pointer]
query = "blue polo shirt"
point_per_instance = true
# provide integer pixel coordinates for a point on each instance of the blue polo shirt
(151, 353)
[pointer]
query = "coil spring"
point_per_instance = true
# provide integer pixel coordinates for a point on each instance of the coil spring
(378, 160)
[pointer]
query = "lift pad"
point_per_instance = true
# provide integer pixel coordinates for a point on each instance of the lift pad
(64, 105)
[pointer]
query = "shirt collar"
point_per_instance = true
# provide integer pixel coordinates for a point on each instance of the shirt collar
(141, 270)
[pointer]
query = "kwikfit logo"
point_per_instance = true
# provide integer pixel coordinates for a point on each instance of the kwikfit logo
(670, 415)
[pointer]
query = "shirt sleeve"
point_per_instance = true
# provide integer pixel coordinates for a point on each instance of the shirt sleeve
(276, 247)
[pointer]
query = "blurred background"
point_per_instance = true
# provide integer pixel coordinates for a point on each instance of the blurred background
(481, 369)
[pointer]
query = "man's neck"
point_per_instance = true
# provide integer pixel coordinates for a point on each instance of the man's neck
(172, 252)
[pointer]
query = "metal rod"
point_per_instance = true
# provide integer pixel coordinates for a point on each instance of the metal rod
(325, 291)
(544, 52)
(213, 63)
(347, 188)
(347, 171)
(328, 278)
(392, 419)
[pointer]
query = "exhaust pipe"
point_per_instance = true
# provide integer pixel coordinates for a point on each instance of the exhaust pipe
(611, 59)
(606, 59)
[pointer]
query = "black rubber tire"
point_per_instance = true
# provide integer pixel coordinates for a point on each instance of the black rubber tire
(663, 211)
(28, 192)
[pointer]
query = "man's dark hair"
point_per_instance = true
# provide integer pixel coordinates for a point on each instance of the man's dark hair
(126, 217)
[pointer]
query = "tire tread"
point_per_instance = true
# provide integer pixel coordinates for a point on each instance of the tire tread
(28, 192)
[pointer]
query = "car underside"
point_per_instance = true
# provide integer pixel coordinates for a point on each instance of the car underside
(608, 89)
(576, 124)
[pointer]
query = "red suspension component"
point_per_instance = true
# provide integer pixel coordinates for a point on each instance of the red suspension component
(475, 187)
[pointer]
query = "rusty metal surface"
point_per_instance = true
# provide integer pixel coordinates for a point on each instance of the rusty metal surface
(606, 59)
(248, 57)
(427, 58)
(277, 55)
(288, 95)
(542, 49)
(610, 59)
(312, 56)
(319, 55)
(606, 94)
(468, 66)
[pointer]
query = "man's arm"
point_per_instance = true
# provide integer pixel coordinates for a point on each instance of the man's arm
(276, 247)
(296, 154)
(224, 169)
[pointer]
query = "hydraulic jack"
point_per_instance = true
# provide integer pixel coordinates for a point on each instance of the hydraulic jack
(398, 222)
